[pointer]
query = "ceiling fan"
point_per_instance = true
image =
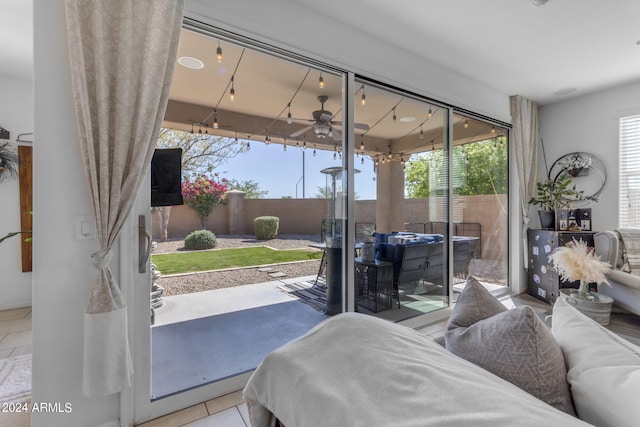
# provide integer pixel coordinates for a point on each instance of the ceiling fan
(323, 126)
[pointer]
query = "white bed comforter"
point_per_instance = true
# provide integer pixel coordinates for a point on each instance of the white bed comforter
(356, 370)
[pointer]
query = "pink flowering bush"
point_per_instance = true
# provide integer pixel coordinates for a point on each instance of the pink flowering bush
(203, 194)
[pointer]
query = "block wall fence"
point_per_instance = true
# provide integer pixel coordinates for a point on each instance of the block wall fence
(304, 216)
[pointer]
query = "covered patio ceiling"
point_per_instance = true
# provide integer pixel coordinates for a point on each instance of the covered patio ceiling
(267, 88)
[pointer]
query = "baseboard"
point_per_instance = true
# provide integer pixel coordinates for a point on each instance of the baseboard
(109, 424)
(14, 305)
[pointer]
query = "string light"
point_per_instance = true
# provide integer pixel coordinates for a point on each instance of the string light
(361, 143)
(433, 145)
(394, 114)
(314, 150)
(421, 136)
(284, 147)
(191, 127)
(215, 119)
(232, 91)
(430, 113)
(219, 53)
(206, 129)
(390, 155)
(321, 81)
(199, 127)
(248, 146)
(363, 99)
(289, 119)
(466, 123)
(493, 129)
(362, 160)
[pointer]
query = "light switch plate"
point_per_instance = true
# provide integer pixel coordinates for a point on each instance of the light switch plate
(85, 228)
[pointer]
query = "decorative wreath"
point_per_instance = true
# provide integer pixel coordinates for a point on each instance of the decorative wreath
(8, 162)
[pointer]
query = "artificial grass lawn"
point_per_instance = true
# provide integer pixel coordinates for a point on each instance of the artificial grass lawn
(225, 258)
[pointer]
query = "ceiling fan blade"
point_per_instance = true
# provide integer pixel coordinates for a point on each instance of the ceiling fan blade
(337, 136)
(361, 126)
(300, 132)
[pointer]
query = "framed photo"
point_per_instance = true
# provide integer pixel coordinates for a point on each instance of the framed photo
(584, 219)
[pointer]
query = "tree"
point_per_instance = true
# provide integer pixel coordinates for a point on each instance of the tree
(250, 187)
(479, 168)
(203, 194)
(201, 153)
(322, 192)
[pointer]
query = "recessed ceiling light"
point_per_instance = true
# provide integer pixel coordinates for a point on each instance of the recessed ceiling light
(637, 42)
(407, 119)
(189, 62)
(539, 3)
(565, 91)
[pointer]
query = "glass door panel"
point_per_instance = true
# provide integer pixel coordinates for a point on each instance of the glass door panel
(401, 207)
(480, 203)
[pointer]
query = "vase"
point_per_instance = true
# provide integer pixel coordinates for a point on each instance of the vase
(547, 220)
(583, 290)
(368, 252)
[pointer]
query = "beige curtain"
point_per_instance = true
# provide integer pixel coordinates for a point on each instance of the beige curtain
(524, 118)
(122, 56)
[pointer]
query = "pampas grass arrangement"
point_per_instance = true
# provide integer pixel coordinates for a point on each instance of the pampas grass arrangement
(577, 261)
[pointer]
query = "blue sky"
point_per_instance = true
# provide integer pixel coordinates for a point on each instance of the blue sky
(279, 172)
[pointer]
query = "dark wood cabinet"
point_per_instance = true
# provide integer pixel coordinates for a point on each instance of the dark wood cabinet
(543, 282)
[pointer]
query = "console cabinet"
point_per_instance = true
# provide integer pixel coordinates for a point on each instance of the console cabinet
(543, 282)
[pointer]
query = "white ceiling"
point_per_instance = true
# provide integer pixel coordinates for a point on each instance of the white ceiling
(509, 45)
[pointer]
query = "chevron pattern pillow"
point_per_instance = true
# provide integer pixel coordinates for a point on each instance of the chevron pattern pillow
(512, 344)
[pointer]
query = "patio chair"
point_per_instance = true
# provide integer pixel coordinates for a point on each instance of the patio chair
(412, 266)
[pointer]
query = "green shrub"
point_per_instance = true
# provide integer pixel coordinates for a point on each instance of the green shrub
(266, 227)
(200, 239)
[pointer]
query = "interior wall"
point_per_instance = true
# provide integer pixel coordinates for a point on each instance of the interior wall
(590, 123)
(63, 273)
(16, 115)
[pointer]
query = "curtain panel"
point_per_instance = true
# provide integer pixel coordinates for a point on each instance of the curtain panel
(122, 56)
(524, 118)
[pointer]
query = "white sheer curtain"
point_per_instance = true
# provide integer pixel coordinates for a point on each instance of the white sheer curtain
(122, 56)
(524, 118)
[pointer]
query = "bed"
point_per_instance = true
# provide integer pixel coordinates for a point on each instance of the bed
(357, 370)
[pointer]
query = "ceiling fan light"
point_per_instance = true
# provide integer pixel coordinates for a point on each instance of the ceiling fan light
(322, 131)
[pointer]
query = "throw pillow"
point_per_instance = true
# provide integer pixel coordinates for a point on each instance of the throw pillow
(512, 344)
(604, 369)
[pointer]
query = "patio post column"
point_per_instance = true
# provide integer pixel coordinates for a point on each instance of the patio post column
(390, 202)
(235, 211)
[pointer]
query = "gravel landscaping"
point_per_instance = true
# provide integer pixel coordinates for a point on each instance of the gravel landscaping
(197, 282)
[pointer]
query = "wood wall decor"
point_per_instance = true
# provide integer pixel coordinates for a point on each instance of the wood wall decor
(25, 176)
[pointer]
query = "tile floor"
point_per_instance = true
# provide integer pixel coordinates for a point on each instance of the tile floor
(15, 340)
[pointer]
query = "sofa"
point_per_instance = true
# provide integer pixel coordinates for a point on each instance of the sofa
(498, 367)
(390, 247)
(623, 286)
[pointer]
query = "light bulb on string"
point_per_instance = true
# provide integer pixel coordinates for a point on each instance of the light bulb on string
(394, 114)
(466, 124)
(215, 119)
(363, 98)
(284, 147)
(289, 119)
(361, 143)
(248, 146)
(493, 129)
(191, 127)
(314, 150)
(362, 160)
(200, 128)
(335, 155)
(206, 129)
(321, 81)
(219, 53)
(232, 91)
(421, 136)
(430, 113)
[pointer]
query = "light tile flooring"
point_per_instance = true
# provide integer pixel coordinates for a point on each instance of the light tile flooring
(15, 340)
(224, 411)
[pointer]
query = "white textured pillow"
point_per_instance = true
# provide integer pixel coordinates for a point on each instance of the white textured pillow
(603, 369)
